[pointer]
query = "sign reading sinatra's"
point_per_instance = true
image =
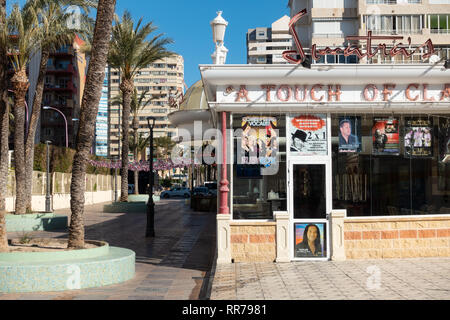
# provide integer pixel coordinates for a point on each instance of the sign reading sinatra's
(398, 49)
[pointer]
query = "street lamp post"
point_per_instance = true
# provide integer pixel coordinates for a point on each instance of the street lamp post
(150, 232)
(65, 120)
(47, 196)
(115, 158)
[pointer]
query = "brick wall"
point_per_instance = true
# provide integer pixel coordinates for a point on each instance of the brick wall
(400, 237)
(253, 241)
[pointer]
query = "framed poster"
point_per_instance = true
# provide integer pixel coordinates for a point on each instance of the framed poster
(418, 137)
(350, 135)
(307, 135)
(259, 144)
(444, 140)
(385, 136)
(310, 240)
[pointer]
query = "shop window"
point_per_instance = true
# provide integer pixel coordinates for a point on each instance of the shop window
(404, 174)
(259, 186)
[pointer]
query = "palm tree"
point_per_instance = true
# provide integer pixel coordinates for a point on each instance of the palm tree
(137, 145)
(54, 33)
(23, 43)
(4, 125)
(130, 52)
(138, 102)
(88, 115)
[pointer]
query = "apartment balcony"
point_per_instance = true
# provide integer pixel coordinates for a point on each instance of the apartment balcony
(65, 52)
(69, 87)
(68, 104)
(57, 70)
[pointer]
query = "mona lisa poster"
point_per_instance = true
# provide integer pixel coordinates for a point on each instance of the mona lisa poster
(310, 240)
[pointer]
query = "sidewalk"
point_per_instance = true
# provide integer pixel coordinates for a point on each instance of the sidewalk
(178, 265)
(172, 266)
(408, 279)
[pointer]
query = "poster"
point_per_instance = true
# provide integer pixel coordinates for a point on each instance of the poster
(308, 135)
(418, 137)
(350, 135)
(385, 136)
(259, 143)
(310, 240)
(444, 140)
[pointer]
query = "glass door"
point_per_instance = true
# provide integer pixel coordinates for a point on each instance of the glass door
(310, 204)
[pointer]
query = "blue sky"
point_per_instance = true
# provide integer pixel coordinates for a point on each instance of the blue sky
(187, 23)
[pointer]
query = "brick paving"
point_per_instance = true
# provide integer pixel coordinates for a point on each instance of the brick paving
(389, 279)
(174, 265)
(178, 265)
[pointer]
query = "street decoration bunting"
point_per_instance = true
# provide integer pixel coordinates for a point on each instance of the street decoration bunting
(158, 165)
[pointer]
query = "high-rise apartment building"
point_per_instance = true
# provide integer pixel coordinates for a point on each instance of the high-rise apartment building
(161, 79)
(266, 45)
(329, 22)
(63, 92)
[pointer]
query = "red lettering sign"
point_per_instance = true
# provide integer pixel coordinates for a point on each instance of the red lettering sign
(398, 49)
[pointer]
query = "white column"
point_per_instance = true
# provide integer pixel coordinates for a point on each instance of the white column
(337, 235)
(282, 232)
(223, 238)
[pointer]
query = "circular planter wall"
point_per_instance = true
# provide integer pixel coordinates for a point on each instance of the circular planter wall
(65, 270)
(36, 222)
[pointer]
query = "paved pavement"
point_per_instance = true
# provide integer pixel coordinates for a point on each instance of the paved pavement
(407, 279)
(172, 266)
(178, 265)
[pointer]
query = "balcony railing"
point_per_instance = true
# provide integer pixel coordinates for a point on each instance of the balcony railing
(441, 31)
(393, 2)
(395, 32)
(328, 35)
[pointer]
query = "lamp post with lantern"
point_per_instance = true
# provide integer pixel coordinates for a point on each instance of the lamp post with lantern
(219, 57)
(150, 230)
(219, 25)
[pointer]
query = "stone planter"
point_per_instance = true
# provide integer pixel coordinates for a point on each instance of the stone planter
(65, 270)
(36, 222)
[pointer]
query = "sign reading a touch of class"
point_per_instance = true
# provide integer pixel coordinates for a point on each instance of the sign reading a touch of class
(308, 135)
(332, 93)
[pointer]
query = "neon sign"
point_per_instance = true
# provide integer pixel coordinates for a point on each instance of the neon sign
(398, 49)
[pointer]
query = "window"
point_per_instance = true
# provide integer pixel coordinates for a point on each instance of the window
(253, 188)
(406, 24)
(439, 23)
(367, 184)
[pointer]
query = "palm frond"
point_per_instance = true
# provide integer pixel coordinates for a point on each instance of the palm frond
(130, 49)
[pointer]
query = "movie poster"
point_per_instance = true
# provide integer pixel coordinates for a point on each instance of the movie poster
(310, 240)
(418, 137)
(259, 143)
(308, 135)
(350, 135)
(444, 140)
(385, 136)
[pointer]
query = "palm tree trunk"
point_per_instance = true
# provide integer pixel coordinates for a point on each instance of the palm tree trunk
(89, 108)
(20, 87)
(35, 115)
(4, 133)
(126, 87)
(136, 151)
